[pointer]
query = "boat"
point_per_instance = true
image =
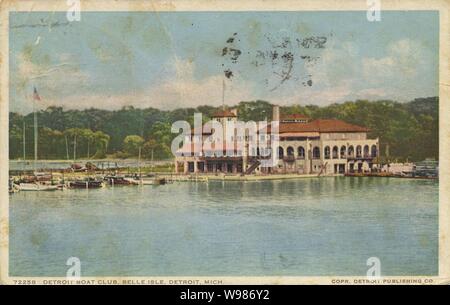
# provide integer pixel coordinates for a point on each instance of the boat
(146, 180)
(12, 187)
(118, 180)
(43, 176)
(160, 181)
(78, 168)
(27, 179)
(37, 187)
(429, 168)
(85, 184)
(141, 181)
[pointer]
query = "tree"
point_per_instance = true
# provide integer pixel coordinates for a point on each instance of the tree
(156, 150)
(15, 141)
(88, 135)
(161, 133)
(131, 144)
(410, 130)
(101, 141)
(254, 111)
(50, 143)
(74, 133)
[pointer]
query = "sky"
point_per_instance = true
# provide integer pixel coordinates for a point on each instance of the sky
(169, 60)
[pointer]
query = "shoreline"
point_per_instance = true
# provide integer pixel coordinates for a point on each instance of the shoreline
(278, 177)
(204, 177)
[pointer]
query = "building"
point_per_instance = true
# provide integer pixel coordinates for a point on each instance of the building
(305, 146)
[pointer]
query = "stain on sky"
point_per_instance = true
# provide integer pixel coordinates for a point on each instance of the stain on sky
(287, 57)
(42, 23)
(228, 73)
(231, 53)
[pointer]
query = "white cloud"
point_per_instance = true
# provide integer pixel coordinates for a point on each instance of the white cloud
(403, 59)
(53, 78)
(340, 75)
(183, 90)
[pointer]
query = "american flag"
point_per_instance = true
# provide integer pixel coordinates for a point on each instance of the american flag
(36, 95)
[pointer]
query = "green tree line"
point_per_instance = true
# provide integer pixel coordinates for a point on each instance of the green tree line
(407, 130)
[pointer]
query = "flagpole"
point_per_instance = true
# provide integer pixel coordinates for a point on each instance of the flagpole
(35, 138)
(223, 94)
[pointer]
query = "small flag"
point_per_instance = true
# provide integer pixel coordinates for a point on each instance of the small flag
(36, 95)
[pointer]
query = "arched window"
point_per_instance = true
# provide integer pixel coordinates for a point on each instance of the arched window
(351, 152)
(316, 153)
(374, 151)
(343, 149)
(280, 152)
(301, 152)
(335, 152)
(366, 151)
(290, 151)
(358, 151)
(327, 152)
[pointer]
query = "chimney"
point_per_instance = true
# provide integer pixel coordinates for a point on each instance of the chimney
(276, 113)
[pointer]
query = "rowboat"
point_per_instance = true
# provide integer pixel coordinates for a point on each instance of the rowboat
(37, 187)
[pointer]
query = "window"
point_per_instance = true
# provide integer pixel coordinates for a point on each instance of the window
(290, 151)
(301, 152)
(316, 153)
(351, 152)
(280, 152)
(335, 152)
(358, 151)
(327, 152)
(366, 151)
(374, 151)
(343, 149)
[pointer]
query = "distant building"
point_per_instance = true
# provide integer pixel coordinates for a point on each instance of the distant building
(306, 146)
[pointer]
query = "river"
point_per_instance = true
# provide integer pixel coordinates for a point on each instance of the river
(303, 227)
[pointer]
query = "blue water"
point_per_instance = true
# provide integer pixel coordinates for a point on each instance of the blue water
(315, 226)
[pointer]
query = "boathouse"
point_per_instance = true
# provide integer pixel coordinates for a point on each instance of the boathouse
(305, 146)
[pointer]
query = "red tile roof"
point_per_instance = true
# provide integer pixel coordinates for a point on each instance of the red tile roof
(223, 114)
(295, 116)
(321, 125)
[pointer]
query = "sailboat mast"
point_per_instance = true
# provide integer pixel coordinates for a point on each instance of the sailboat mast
(23, 138)
(67, 148)
(35, 138)
(139, 162)
(152, 161)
